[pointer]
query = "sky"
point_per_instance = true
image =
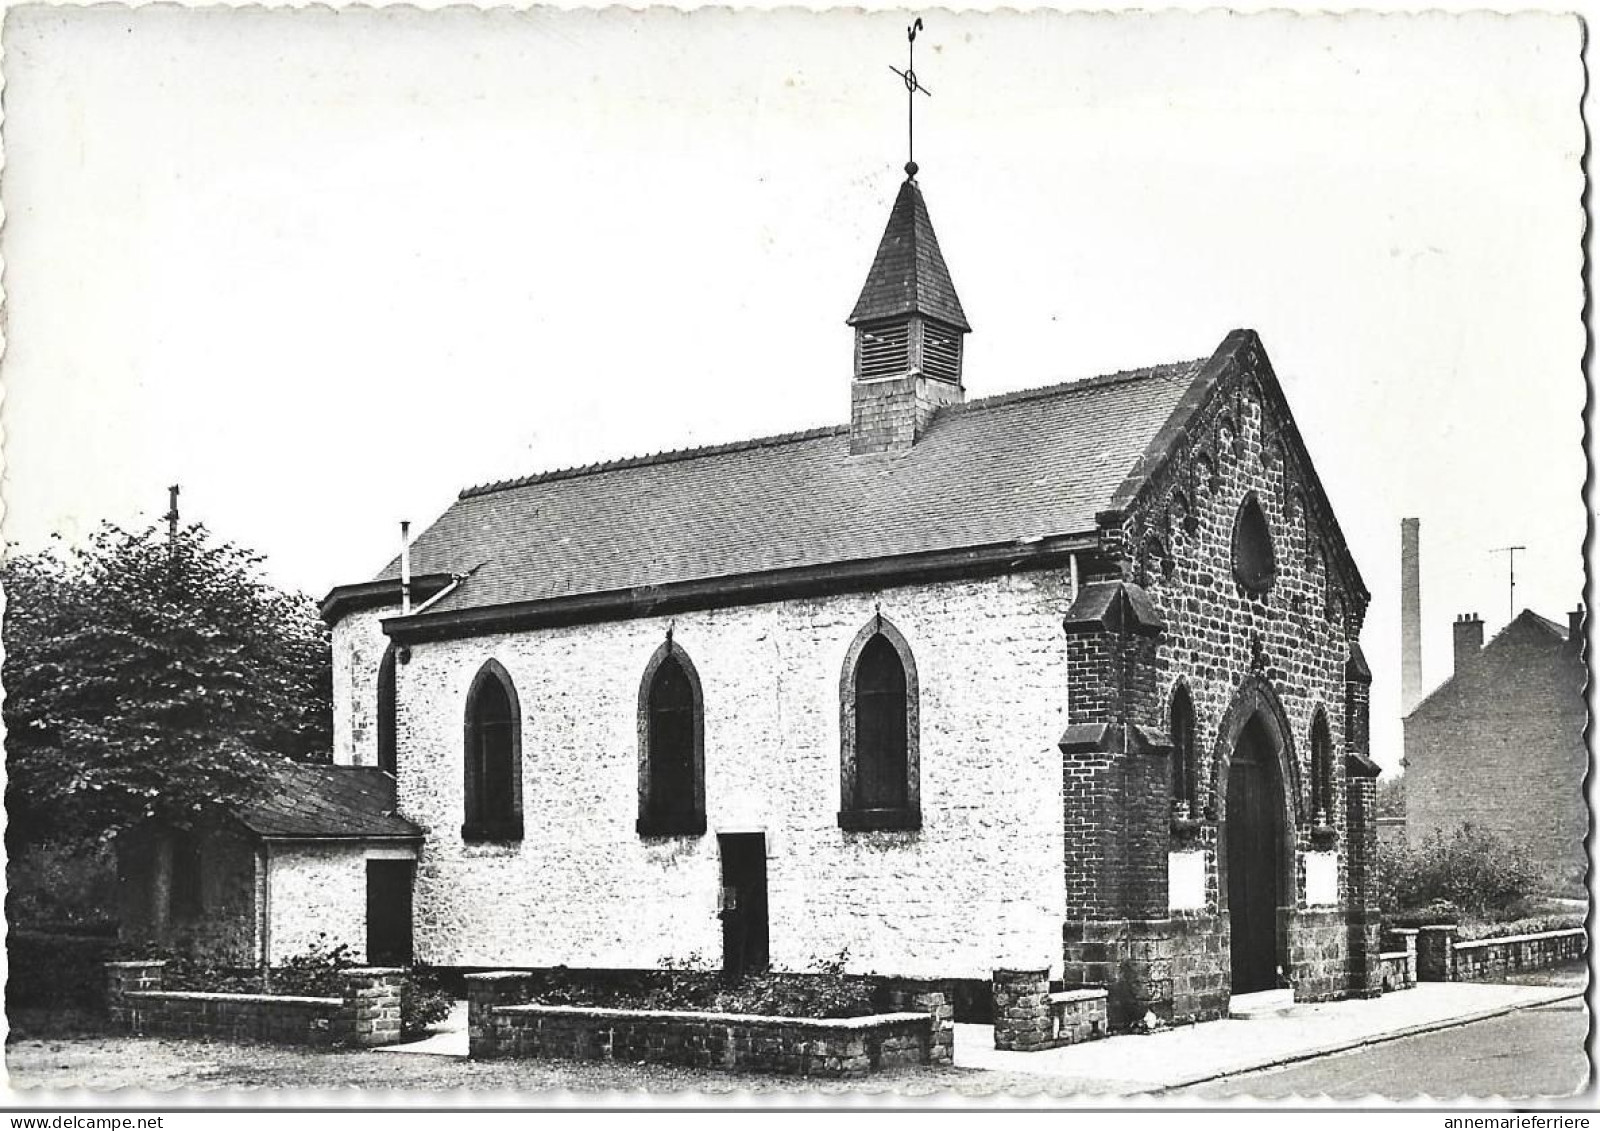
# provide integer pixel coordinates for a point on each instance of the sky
(325, 269)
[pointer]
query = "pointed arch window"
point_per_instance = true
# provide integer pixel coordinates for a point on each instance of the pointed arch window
(1185, 763)
(1321, 773)
(493, 801)
(879, 723)
(388, 748)
(672, 797)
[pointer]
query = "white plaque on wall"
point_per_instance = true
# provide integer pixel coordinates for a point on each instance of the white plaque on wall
(1186, 881)
(1322, 878)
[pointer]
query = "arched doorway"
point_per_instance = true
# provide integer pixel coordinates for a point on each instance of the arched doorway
(1253, 842)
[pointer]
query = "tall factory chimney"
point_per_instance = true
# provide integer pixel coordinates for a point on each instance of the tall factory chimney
(1410, 616)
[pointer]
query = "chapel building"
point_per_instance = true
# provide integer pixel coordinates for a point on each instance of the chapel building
(1064, 679)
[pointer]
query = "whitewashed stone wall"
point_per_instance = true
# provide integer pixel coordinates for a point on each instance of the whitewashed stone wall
(318, 897)
(358, 647)
(979, 886)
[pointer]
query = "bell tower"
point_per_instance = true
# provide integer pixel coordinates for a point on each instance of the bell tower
(908, 321)
(909, 333)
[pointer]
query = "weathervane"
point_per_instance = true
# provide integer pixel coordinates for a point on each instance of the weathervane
(909, 77)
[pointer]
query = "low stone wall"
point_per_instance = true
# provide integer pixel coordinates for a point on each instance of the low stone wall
(501, 1024)
(1442, 957)
(366, 1014)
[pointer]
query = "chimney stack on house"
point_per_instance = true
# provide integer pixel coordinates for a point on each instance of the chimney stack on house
(1410, 615)
(1577, 628)
(909, 330)
(405, 569)
(1468, 640)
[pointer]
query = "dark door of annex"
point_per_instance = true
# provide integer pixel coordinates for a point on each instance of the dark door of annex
(1254, 839)
(389, 912)
(744, 902)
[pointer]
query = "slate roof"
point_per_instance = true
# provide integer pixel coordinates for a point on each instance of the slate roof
(908, 274)
(320, 802)
(1025, 465)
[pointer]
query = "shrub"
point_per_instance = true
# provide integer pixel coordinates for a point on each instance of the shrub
(315, 972)
(826, 991)
(423, 1001)
(1477, 871)
(1533, 925)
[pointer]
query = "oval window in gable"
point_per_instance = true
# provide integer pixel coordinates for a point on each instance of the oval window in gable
(1254, 563)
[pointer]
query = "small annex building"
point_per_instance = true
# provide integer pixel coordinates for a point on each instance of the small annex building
(321, 860)
(1064, 680)
(1500, 744)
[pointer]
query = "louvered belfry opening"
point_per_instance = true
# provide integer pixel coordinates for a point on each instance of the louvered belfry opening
(883, 350)
(909, 325)
(941, 352)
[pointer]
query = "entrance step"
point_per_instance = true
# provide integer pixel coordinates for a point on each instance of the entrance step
(1266, 1003)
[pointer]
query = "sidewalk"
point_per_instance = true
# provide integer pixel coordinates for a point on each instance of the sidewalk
(1190, 1054)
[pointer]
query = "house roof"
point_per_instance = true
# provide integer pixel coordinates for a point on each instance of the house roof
(1003, 470)
(908, 274)
(322, 802)
(1520, 626)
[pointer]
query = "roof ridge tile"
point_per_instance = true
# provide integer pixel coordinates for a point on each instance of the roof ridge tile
(677, 455)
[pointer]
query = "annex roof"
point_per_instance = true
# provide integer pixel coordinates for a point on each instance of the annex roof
(908, 274)
(1021, 466)
(323, 802)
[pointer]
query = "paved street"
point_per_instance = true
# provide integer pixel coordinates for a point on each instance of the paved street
(1531, 1053)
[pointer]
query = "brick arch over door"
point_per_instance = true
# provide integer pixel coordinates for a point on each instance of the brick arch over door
(1256, 700)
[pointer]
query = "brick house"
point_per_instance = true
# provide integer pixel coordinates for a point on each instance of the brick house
(1065, 679)
(1516, 703)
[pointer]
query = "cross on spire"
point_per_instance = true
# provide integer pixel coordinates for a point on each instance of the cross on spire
(909, 77)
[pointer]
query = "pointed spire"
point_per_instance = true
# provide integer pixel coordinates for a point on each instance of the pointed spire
(908, 274)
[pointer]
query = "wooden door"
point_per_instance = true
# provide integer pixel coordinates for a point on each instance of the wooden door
(744, 902)
(1253, 847)
(389, 912)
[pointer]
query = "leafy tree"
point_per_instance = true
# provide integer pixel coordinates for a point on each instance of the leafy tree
(149, 677)
(1391, 797)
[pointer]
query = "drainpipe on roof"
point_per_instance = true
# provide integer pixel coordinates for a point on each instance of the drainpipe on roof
(1073, 561)
(455, 581)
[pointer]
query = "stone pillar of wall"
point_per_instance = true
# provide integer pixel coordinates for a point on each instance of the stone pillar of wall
(1406, 938)
(370, 1016)
(1022, 1010)
(937, 1000)
(123, 978)
(1436, 960)
(486, 1037)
